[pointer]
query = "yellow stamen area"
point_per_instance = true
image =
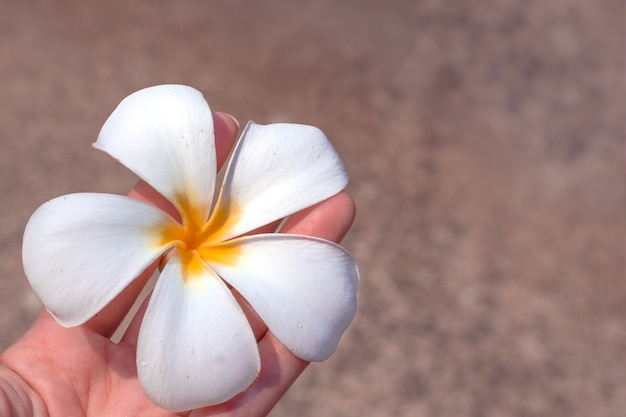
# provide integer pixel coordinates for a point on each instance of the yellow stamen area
(225, 215)
(193, 266)
(222, 253)
(200, 243)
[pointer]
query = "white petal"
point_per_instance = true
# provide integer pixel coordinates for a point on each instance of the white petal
(195, 345)
(165, 135)
(81, 250)
(303, 288)
(276, 170)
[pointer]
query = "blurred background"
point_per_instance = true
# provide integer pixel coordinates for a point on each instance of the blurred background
(485, 146)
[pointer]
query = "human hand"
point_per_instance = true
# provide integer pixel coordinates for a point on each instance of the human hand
(54, 371)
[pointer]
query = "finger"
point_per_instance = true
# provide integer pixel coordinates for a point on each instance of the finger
(280, 368)
(330, 219)
(226, 127)
(109, 318)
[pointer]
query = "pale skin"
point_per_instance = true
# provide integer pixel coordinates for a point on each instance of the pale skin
(53, 371)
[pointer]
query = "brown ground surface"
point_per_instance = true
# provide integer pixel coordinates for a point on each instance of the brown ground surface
(484, 143)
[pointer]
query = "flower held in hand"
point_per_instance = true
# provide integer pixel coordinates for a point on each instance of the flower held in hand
(195, 346)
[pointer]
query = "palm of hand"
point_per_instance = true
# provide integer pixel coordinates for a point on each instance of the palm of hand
(78, 372)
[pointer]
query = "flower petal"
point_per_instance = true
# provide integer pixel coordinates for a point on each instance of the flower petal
(81, 250)
(165, 135)
(195, 345)
(303, 288)
(274, 171)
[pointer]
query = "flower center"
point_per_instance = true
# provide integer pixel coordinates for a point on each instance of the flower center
(200, 244)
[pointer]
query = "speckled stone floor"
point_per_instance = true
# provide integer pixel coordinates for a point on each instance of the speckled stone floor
(485, 146)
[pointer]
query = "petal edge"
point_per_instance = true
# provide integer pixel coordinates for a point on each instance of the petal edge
(80, 250)
(275, 170)
(303, 288)
(165, 135)
(195, 345)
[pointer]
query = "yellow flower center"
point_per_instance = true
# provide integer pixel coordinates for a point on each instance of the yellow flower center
(199, 243)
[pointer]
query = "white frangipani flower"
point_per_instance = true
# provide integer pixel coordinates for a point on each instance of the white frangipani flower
(195, 346)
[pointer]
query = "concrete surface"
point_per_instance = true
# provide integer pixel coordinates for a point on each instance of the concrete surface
(485, 146)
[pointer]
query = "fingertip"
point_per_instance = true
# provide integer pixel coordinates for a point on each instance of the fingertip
(347, 206)
(226, 128)
(330, 219)
(230, 119)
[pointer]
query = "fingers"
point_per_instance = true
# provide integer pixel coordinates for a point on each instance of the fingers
(109, 318)
(330, 220)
